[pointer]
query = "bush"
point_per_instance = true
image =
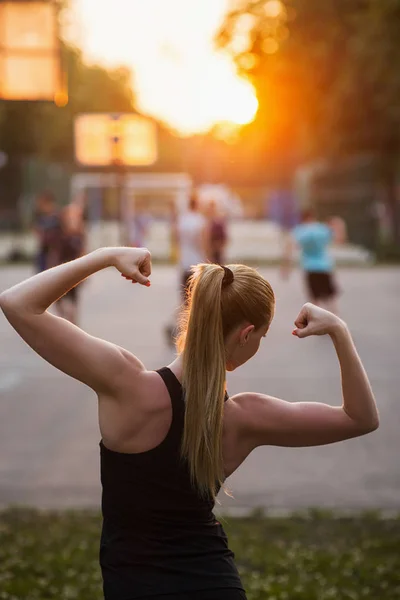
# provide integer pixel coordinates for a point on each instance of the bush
(388, 252)
(54, 556)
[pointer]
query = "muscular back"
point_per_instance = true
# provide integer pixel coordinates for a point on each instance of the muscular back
(138, 420)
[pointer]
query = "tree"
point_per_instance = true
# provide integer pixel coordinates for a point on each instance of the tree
(326, 75)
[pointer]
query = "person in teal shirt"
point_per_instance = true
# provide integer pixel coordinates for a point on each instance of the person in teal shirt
(313, 239)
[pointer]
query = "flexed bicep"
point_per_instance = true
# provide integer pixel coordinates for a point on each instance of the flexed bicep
(275, 422)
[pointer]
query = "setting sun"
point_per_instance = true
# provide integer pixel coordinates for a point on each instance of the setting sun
(178, 77)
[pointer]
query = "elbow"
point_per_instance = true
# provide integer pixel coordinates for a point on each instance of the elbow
(366, 425)
(8, 304)
(13, 306)
(5, 301)
(374, 425)
(370, 426)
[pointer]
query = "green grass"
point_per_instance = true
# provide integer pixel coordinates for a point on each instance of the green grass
(315, 556)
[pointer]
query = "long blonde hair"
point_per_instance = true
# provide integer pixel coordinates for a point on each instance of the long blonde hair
(214, 308)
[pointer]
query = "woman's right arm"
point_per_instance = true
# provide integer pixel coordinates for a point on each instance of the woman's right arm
(271, 421)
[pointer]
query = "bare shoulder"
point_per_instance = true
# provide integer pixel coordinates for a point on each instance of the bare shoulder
(132, 362)
(247, 410)
(128, 370)
(140, 386)
(244, 428)
(137, 417)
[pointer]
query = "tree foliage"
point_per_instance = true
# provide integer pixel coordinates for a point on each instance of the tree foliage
(327, 78)
(328, 70)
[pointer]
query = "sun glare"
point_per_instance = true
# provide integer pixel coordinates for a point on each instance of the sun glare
(235, 102)
(199, 96)
(274, 8)
(178, 77)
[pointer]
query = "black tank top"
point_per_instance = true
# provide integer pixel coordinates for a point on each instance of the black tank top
(159, 536)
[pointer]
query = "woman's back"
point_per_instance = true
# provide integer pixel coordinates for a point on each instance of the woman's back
(154, 517)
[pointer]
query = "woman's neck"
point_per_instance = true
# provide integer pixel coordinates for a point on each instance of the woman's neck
(176, 368)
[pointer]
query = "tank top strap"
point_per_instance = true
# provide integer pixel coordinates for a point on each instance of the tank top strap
(175, 391)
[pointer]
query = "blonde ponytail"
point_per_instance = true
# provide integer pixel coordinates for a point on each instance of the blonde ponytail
(216, 304)
(204, 370)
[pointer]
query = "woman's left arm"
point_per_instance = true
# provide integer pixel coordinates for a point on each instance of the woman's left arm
(92, 361)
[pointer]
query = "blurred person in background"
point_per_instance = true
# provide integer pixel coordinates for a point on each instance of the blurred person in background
(72, 246)
(193, 242)
(170, 438)
(191, 235)
(282, 209)
(216, 236)
(81, 200)
(47, 227)
(137, 227)
(313, 239)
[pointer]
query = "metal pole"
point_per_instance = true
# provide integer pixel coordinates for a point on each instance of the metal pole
(119, 170)
(121, 181)
(118, 163)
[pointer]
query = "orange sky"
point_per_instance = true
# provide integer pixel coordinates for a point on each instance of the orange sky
(178, 76)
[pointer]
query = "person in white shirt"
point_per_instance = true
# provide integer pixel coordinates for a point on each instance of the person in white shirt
(190, 234)
(192, 239)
